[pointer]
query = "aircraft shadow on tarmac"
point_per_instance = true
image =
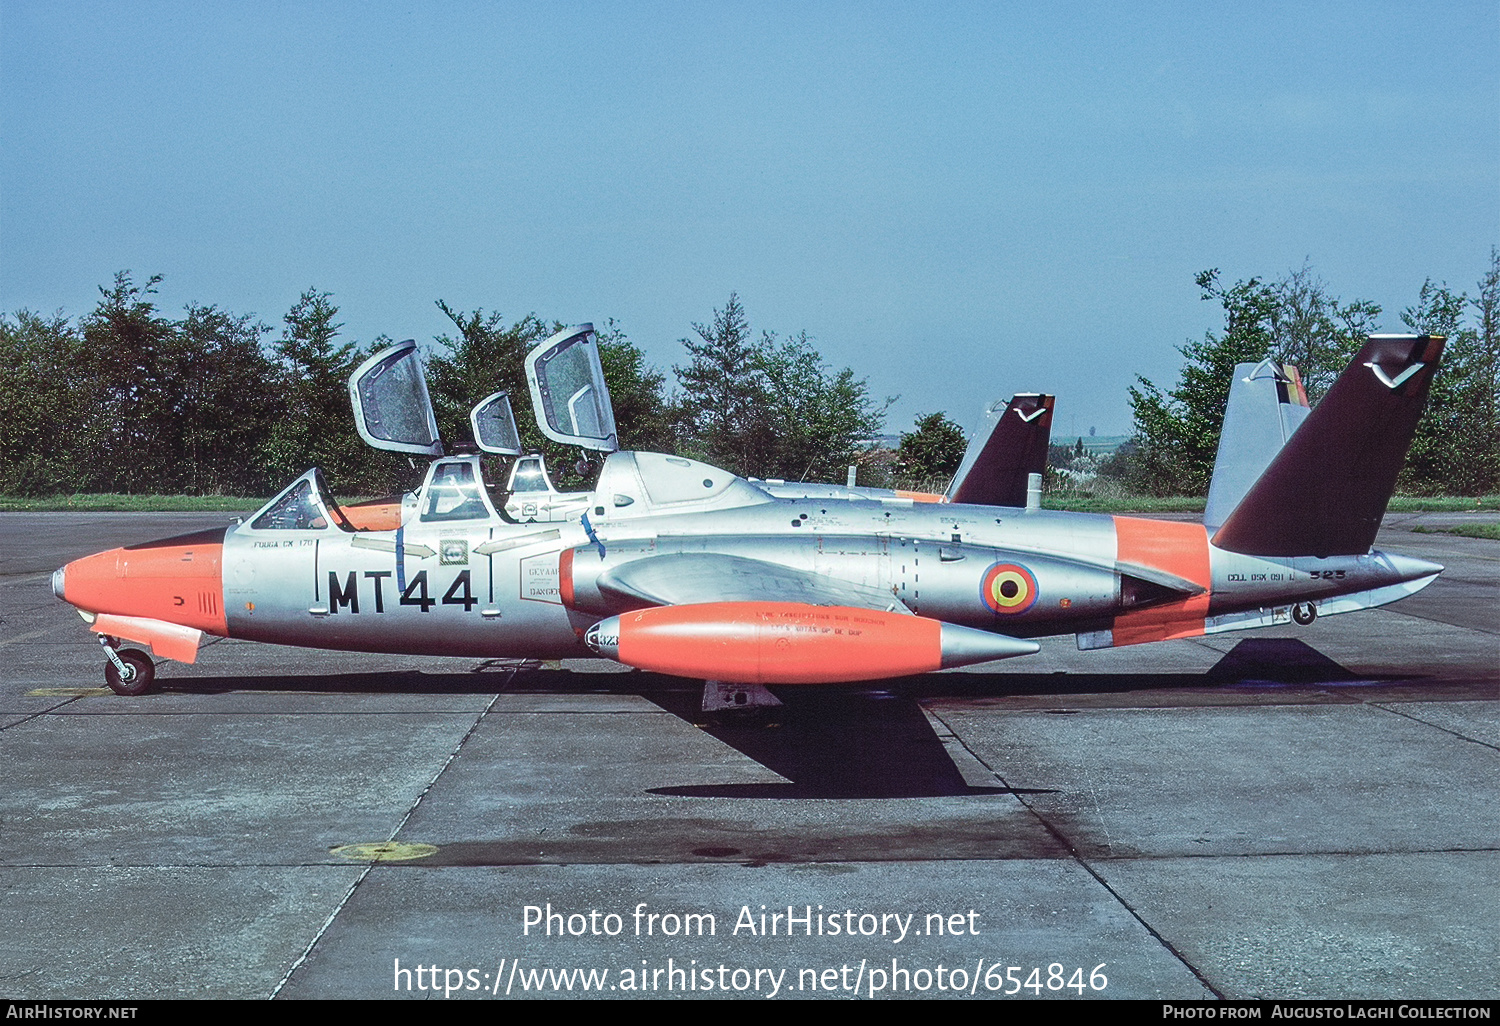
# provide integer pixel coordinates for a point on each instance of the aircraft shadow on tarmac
(876, 742)
(849, 741)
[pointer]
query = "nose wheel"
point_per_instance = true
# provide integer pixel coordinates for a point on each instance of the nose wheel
(128, 671)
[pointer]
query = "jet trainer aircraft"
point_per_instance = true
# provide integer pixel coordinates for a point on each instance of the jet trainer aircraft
(672, 565)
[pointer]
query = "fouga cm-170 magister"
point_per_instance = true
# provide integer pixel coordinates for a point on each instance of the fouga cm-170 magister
(674, 566)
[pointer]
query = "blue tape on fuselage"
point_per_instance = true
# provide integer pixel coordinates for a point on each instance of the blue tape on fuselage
(588, 529)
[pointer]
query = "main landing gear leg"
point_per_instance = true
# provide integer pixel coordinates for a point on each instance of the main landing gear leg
(129, 671)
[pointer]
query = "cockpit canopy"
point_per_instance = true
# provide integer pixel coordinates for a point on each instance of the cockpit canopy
(393, 411)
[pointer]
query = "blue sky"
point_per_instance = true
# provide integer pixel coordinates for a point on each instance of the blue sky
(959, 201)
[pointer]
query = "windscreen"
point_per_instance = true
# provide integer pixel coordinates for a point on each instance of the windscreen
(295, 510)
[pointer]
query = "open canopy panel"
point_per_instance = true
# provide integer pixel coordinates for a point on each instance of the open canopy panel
(494, 425)
(391, 407)
(568, 391)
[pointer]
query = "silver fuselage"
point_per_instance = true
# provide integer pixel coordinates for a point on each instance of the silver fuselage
(491, 586)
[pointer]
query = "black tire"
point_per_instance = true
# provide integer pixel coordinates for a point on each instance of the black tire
(139, 673)
(1304, 613)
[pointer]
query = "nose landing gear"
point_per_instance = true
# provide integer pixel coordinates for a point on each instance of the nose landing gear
(129, 671)
(1304, 613)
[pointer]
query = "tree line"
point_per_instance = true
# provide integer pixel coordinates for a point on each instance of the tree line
(1297, 320)
(127, 399)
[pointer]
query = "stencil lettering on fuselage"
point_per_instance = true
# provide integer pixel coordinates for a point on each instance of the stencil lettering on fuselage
(539, 579)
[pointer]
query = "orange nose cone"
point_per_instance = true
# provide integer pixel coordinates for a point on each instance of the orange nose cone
(178, 580)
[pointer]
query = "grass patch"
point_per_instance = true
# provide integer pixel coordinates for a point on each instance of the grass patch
(1443, 503)
(116, 503)
(1188, 504)
(1488, 531)
(1122, 504)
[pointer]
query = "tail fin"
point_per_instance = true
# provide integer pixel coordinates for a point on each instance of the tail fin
(1266, 404)
(1326, 491)
(1010, 444)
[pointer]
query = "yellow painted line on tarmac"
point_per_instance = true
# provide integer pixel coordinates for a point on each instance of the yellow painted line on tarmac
(385, 851)
(67, 692)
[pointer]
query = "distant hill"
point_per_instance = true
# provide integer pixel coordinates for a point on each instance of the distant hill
(1098, 445)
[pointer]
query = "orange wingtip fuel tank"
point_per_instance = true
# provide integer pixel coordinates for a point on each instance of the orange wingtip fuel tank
(792, 643)
(175, 580)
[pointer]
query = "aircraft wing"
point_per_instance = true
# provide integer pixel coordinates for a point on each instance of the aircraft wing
(694, 578)
(739, 620)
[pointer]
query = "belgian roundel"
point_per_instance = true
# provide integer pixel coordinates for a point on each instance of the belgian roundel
(1008, 589)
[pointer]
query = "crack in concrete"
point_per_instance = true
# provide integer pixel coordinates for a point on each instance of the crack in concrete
(370, 868)
(1435, 726)
(1083, 864)
(710, 861)
(44, 712)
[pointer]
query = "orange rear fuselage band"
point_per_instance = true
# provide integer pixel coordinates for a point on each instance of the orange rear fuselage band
(1178, 549)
